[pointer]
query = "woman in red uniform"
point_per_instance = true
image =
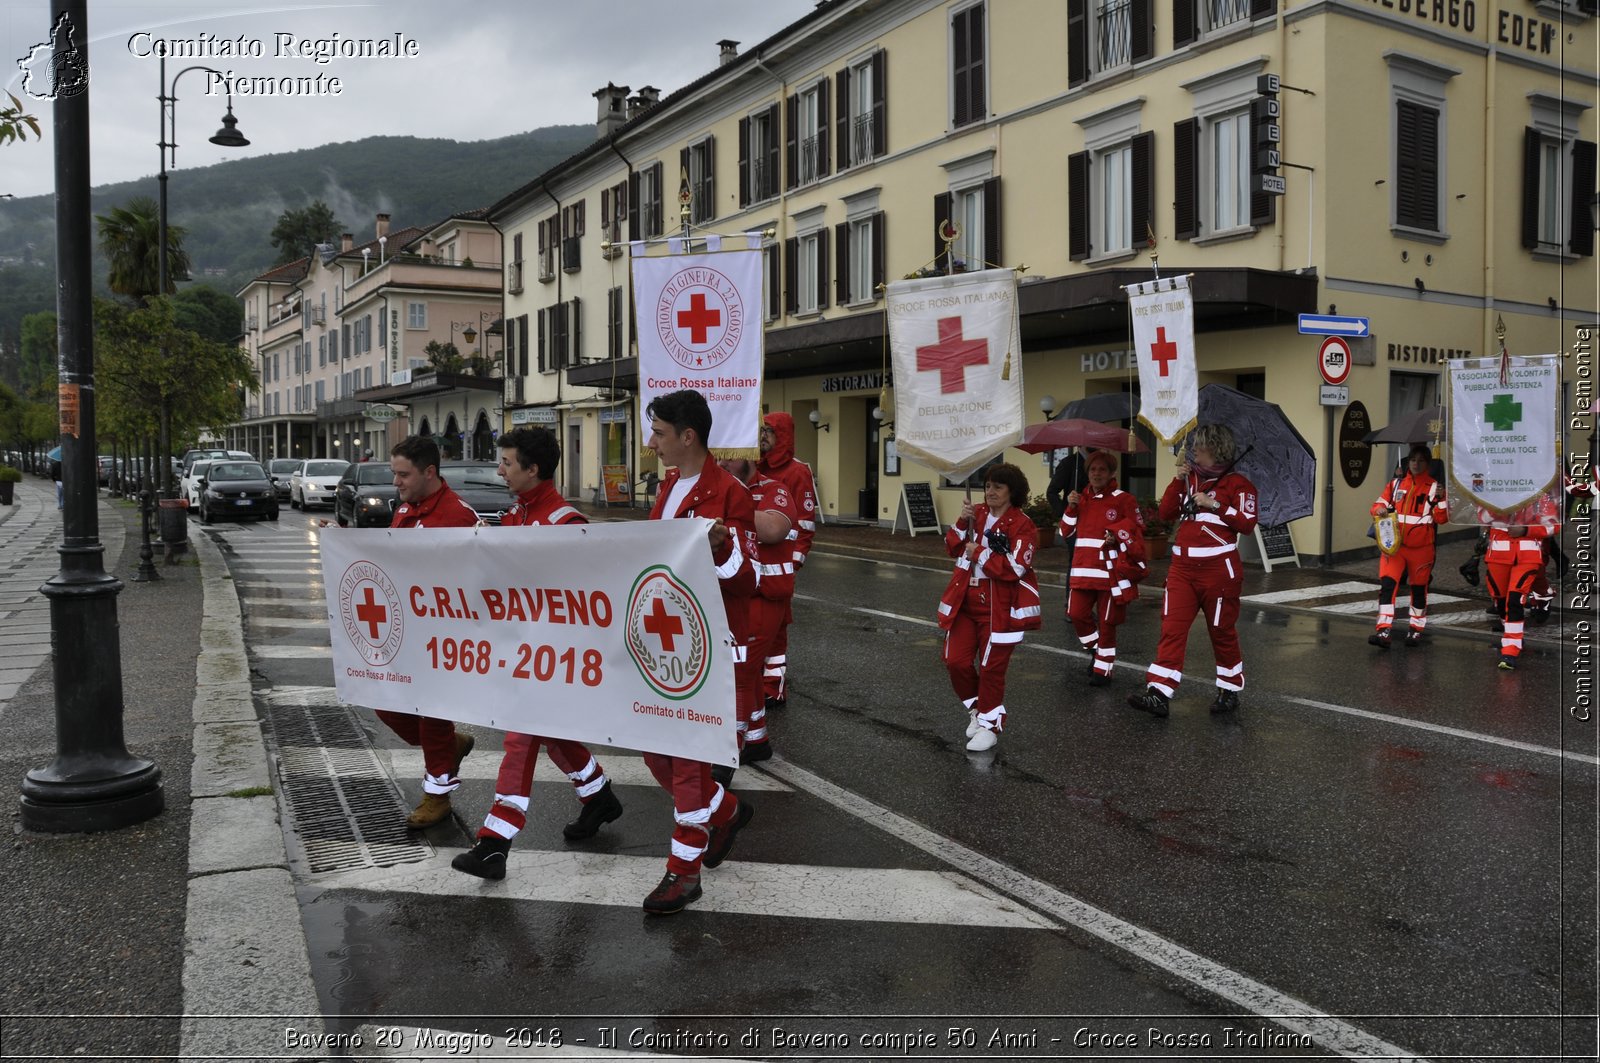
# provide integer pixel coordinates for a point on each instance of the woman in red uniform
(992, 599)
(1417, 503)
(1103, 523)
(1515, 562)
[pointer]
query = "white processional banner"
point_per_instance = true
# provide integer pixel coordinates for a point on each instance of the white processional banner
(957, 348)
(699, 325)
(1163, 337)
(1503, 432)
(613, 634)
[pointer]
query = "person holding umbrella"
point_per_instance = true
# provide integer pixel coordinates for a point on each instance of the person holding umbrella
(1417, 504)
(1213, 506)
(1104, 524)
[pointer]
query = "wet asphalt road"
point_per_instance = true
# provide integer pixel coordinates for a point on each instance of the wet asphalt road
(1403, 842)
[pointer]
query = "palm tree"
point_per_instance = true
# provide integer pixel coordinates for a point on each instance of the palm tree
(130, 239)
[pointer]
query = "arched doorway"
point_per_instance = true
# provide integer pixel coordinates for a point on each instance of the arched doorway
(483, 439)
(426, 429)
(450, 443)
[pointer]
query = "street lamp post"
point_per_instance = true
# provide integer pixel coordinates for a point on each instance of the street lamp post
(94, 783)
(228, 137)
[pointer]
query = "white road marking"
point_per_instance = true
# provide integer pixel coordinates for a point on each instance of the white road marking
(620, 768)
(291, 652)
(1207, 975)
(289, 623)
(1300, 593)
(318, 603)
(246, 585)
(1455, 732)
(797, 891)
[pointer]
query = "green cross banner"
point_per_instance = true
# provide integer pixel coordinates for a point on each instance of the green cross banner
(1502, 435)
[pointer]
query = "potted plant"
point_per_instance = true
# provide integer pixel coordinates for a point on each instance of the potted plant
(1156, 530)
(8, 476)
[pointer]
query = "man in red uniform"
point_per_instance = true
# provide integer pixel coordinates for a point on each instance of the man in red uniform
(775, 518)
(1216, 506)
(529, 458)
(1417, 503)
(708, 816)
(426, 501)
(1515, 561)
(779, 463)
(1102, 522)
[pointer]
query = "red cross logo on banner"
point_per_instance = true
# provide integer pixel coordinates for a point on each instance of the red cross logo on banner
(1163, 350)
(951, 356)
(370, 613)
(662, 624)
(698, 319)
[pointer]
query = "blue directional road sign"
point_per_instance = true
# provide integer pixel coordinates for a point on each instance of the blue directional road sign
(1328, 325)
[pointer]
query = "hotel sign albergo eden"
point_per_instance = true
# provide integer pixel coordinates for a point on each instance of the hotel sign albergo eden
(1538, 35)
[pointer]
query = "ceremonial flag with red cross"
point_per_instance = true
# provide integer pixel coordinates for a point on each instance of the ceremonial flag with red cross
(699, 327)
(957, 348)
(1163, 339)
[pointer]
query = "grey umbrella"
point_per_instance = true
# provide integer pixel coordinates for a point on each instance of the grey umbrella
(1426, 425)
(1106, 407)
(1280, 462)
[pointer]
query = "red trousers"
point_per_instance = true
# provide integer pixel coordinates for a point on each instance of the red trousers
(770, 620)
(1509, 585)
(1209, 586)
(1095, 618)
(698, 804)
(438, 741)
(514, 785)
(775, 677)
(977, 664)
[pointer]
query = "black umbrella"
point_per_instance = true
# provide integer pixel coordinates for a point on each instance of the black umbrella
(1426, 425)
(1106, 407)
(1280, 462)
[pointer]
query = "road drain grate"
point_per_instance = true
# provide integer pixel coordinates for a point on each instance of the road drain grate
(347, 812)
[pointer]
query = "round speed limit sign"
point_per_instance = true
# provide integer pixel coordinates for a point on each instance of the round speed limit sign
(1333, 360)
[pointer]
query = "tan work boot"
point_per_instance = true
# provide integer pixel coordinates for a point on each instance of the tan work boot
(464, 744)
(435, 808)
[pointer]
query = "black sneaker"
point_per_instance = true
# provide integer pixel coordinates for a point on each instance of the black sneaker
(1413, 639)
(487, 859)
(1152, 701)
(755, 752)
(721, 840)
(1497, 624)
(1227, 701)
(673, 894)
(1379, 639)
(1539, 616)
(777, 703)
(1469, 572)
(1098, 680)
(599, 810)
(722, 774)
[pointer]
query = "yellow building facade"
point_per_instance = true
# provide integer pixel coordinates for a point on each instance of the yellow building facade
(1436, 162)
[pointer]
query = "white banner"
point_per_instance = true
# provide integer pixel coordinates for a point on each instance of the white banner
(1502, 437)
(699, 321)
(606, 633)
(1163, 339)
(957, 348)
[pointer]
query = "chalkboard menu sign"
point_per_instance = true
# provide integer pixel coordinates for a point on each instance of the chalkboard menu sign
(917, 502)
(1276, 544)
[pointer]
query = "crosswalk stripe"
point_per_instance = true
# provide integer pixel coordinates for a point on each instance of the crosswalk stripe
(318, 602)
(291, 652)
(1296, 594)
(288, 623)
(793, 891)
(622, 769)
(256, 585)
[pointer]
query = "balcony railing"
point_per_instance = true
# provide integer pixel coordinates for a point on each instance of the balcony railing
(810, 158)
(1226, 12)
(758, 180)
(861, 138)
(1112, 33)
(547, 265)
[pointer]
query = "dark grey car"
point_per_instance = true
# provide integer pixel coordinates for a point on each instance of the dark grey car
(366, 496)
(234, 489)
(479, 486)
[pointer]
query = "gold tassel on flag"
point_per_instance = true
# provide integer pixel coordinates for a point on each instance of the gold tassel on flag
(1005, 370)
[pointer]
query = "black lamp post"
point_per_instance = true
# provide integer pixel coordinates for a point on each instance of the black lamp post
(94, 783)
(228, 137)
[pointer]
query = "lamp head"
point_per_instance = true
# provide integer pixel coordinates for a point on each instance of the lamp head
(1047, 405)
(469, 334)
(229, 136)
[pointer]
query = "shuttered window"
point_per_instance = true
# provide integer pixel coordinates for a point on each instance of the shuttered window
(1185, 179)
(968, 78)
(1416, 166)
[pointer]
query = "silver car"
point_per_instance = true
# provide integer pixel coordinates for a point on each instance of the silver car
(315, 482)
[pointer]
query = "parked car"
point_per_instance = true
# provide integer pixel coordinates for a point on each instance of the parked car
(204, 453)
(479, 486)
(233, 489)
(366, 496)
(107, 464)
(314, 482)
(190, 486)
(280, 470)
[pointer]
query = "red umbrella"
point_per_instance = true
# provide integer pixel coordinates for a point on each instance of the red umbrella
(1077, 432)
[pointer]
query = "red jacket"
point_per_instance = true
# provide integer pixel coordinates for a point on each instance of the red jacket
(1419, 507)
(1205, 534)
(1541, 518)
(1110, 516)
(542, 505)
(775, 561)
(779, 464)
(718, 495)
(1014, 589)
(442, 509)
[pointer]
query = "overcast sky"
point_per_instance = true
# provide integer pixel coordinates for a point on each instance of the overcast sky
(483, 69)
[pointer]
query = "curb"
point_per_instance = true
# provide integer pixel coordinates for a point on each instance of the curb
(245, 950)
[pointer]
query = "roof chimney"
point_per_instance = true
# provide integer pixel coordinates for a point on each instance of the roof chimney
(347, 241)
(612, 111)
(647, 97)
(383, 225)
(729, 52)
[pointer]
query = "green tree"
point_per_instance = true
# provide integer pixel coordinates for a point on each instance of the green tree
(211, 312)
(298, 231)
(444, 357)
(130, 239)
(12, 120)
(39, 354)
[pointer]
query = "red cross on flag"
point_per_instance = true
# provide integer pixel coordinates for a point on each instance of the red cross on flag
(957, 349)
(699, 326)
(1163, 338)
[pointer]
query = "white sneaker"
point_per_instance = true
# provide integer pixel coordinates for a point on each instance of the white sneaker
(984, 739)
(973, 726)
